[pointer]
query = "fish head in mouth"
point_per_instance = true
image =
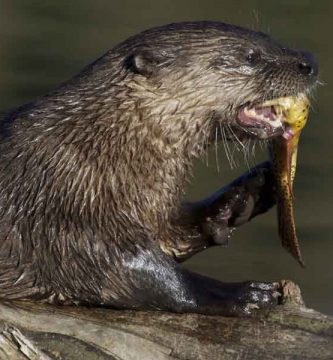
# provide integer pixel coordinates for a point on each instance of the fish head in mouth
(262, 121)
(273, 118)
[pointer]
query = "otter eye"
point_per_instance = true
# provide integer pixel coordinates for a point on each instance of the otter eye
(253, 57)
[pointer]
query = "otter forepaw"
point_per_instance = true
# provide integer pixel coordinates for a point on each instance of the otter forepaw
(250, 195)
(252, 296)
(259, 183)
(236, 299)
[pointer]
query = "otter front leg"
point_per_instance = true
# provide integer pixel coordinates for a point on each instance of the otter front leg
(158, 282)
(212, 221)
(250, 195)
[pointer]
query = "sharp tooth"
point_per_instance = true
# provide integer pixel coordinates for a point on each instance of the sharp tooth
(278, 110)
(247, 111)
(276, 123)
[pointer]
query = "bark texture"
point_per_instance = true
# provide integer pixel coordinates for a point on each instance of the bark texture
(38, 331)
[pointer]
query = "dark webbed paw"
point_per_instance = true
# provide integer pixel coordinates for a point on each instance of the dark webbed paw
(243, 299)
(250, 195)
(254, 295)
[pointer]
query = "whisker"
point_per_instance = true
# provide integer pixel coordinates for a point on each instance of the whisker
(233, 164)
(236, 137)
(239, 144)
(206, 146)
(216, 152)
(264, 144)
(253, 150)
(225, 145)
(246, 153)
(320, 82)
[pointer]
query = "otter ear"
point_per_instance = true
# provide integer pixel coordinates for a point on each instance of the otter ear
(142, 62)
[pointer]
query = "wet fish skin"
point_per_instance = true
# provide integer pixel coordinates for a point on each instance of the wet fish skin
(284, 156)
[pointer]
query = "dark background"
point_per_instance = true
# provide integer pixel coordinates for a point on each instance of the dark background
(42, 43)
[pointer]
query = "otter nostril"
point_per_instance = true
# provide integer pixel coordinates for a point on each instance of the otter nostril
(305, 68)
(307, 65)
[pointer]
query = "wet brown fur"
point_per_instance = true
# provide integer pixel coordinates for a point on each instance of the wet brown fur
(91, 175)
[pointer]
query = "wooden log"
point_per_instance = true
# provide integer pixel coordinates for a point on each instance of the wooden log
(39, 331)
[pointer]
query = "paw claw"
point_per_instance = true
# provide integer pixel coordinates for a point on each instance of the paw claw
(259, 295)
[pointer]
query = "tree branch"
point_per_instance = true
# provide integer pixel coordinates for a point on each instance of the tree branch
(38, 331)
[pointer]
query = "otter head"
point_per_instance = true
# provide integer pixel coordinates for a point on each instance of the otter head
(196, 76)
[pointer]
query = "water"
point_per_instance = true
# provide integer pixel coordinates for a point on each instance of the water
(44, 43)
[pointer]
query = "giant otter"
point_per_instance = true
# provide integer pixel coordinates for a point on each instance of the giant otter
(91, 174)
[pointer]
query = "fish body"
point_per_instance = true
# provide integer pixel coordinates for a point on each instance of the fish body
(283, 153)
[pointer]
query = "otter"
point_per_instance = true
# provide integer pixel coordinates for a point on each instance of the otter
(91, 174)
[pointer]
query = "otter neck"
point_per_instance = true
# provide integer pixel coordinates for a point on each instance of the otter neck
(149, 161)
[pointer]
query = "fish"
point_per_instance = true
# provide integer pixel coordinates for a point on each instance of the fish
(283, 154)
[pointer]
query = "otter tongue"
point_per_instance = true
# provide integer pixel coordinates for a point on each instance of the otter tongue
(284, 156)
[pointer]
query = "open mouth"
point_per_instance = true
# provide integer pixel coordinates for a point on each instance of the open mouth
(266, 120)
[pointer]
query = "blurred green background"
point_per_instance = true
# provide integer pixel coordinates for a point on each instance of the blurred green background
(42, 43)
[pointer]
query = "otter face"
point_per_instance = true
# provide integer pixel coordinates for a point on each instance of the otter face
(269, 72)
(214, 70)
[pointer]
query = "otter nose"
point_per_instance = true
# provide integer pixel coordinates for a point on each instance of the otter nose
(307, 65)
